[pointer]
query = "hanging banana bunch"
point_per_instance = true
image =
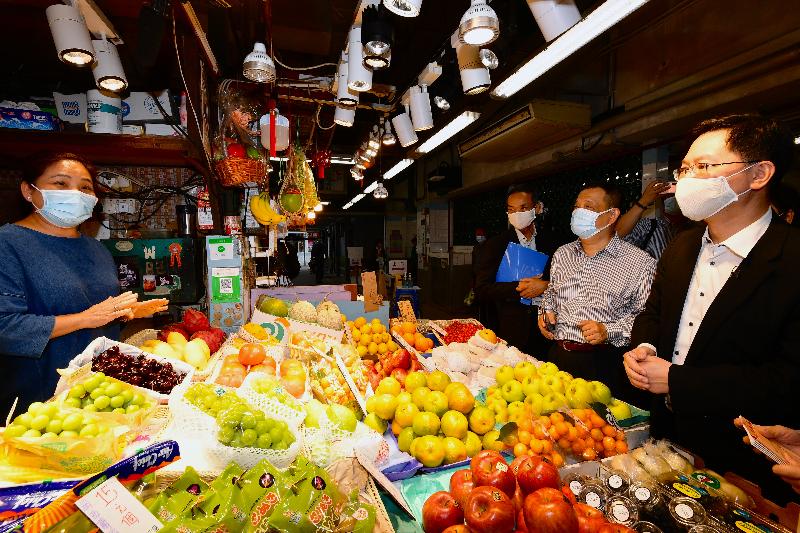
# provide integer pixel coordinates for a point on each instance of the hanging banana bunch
(263, 212)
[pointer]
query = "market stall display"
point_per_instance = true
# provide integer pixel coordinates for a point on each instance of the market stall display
(512, 442)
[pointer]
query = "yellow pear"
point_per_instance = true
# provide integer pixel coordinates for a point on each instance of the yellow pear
(196, 353)
(163, 349)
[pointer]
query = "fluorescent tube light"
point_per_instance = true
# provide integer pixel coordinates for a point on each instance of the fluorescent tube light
(595, 23)
(371, 187)
(398, 168)
(458, 124)
(342, 161)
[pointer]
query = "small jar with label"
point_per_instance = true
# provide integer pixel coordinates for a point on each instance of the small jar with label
(617, 482)
(575, 482)
(646, 527)
(594, 494)
(686, 513)
(621, 510)
(649, 500)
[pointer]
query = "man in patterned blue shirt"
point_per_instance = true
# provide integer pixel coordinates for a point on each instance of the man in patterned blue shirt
(598, 284)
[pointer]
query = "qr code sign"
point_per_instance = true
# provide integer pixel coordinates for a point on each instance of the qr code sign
(226, 285)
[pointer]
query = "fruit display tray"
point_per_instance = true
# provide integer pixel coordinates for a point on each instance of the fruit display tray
(137, 339)
(101, 344)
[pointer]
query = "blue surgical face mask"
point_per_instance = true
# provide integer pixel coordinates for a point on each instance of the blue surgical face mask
(583, 223)
(65, 208)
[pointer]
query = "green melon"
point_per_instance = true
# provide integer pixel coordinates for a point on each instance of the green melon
(292, 201)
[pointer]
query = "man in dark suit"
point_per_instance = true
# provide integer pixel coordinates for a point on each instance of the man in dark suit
(718, 336)
(511, 320)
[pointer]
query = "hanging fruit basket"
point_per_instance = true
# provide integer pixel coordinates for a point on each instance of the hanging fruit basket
(292, 198)
(239, 158)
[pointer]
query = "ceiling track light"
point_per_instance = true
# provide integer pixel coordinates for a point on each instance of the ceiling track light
(479, 25)
(388, 138)
(70, 35)
(475, 77)
(380, 192)
(344, 116)
(378, 61)
(404, 8)
(554, 17)
(374, 139)
(258, 66)
(344, 95)
(404, 129)
(594, 24)
(421, 114)
(358, 75)
(377, 32)
(107, 70)
(441, 103)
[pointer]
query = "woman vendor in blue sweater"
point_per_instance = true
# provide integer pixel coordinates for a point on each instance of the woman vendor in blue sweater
(58, 287)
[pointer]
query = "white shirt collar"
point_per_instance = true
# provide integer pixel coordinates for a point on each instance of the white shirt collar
(523, 240)
(742, 242)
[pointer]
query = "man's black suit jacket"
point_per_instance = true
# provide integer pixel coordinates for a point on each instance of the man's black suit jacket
(745, 357)
(511, 320)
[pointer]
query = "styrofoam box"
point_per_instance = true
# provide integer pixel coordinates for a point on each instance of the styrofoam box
(101, 344)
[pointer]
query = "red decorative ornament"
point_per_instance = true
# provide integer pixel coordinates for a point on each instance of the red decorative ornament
(273, 118)
(321, 160)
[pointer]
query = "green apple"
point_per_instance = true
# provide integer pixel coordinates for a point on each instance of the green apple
(565, 377)
(455, 424)
(553, 384)
(547, 369)
(600, 392)
(524, 369)
(515, 407)
(501, 415)
(530, 385)
(619, 409)
(342, 417)
(491, 442)
(375, 422)
(579, 395)
(535, 401)
(503, 375)
(496, 404)
(415, 380)
(550, 403)
(512, 391)
(436, 403)
(405, 438)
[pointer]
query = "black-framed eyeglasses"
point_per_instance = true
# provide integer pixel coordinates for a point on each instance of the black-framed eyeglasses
(701, 169)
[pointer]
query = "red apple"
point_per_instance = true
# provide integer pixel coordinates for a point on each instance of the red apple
(589, 519)
(568, 493)
(490, 469)
(458, 528)
(489, 510)
(521, 521)
(515, 464)
(548, 511)
(615, 528)
(534, 475)
(441, 511)
(400, 375)
(461, 484)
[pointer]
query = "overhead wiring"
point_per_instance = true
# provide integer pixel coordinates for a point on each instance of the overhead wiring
(300, 69)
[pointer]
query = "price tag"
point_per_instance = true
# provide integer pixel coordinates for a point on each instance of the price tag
(383, 481)
(113, 509)
(362, 403)
(80, 374)
(407, 311)
(372, 300)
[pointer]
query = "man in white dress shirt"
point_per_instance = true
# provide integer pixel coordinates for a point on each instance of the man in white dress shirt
(719, 334)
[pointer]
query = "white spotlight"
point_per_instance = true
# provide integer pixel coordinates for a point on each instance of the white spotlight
(380, 192)
(359, 76)
(479, 25)
(475, 77)
(258, 66)
(441, 103)
(344, 116)
(421, 114)
(107, 70)
(404, 8)
(70, 35)
(345, 96)
(388, 138)
(489, 59)
(404, 129)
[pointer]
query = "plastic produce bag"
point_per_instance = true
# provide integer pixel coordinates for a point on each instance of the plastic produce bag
(178, 497)
(313, 506)
(356, 516)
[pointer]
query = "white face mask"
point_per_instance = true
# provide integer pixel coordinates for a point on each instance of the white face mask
(702, 198)
(584, 222)
(522, 219)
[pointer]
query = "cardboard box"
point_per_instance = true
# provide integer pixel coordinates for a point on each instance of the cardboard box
(24, 119)
(141, 107)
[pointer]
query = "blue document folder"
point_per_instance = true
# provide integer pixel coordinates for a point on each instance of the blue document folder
(518, 263)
